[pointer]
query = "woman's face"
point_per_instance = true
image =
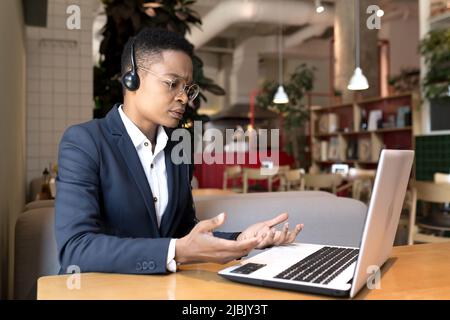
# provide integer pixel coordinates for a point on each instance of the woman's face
(160, 98)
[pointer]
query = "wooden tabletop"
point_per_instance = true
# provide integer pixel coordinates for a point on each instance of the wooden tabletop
(412, 272)
(211, 192)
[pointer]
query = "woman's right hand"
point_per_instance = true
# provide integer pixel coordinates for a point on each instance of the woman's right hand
(200, 245)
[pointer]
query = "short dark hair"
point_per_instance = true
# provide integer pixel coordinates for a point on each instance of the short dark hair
(149, 43)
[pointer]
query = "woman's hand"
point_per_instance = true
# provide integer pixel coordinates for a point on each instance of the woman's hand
(200, 245)
(269, 235)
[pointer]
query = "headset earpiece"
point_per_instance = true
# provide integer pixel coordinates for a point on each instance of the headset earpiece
(131, 79)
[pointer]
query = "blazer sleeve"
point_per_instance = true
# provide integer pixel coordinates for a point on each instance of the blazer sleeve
(79, 228)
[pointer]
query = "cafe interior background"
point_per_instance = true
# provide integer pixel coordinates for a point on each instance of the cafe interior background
(352, 85)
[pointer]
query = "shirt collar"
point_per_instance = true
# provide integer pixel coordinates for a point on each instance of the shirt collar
(136, 135)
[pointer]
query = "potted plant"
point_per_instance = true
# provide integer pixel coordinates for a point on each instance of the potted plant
(407, 80)
(295, 113)
(435, 48)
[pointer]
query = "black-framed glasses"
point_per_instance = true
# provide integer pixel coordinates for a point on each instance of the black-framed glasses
(176, 86)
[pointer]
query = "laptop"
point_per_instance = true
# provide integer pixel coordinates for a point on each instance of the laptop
(336, 270)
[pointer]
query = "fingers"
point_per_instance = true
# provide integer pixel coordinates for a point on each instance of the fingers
(285, 236)
(281, 236)
(211, 224)
(277, 220)
(293, 234)
(267, 239)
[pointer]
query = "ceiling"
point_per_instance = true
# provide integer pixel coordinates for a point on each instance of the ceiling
(238, 32)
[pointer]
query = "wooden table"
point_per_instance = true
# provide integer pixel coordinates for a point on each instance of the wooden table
(412, 272)
(211, 192)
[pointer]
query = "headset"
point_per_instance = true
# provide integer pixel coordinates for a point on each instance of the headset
(131, 79)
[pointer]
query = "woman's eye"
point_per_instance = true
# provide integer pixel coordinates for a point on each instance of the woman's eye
(169, 83)
(174, 84)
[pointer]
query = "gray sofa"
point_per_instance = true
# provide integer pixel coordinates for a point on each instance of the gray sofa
(327, 218)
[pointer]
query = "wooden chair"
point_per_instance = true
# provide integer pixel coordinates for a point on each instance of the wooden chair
(280, 177)
(294, 179)
(362, 183)
(441, 178)
(255, 174)
(232, 173)
(430, 192)
(328, 181)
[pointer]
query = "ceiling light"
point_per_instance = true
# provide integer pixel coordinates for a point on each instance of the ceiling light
(358, 80)
(280, 96)
(319, 7)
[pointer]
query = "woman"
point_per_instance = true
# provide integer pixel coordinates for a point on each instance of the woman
(122, 204)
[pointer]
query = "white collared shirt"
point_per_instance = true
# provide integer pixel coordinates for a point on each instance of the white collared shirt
(154, 166)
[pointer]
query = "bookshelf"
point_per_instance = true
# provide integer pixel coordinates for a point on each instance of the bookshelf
(355, 133)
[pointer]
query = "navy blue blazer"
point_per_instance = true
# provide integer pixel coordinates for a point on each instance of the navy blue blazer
(105, 218)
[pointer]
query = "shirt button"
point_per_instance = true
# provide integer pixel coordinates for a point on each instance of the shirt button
(151, 166)
(155, 199)
(146, 143)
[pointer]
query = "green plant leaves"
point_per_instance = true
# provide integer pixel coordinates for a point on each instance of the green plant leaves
(435, 48)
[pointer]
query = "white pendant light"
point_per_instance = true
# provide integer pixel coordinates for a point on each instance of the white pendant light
(280, 96)
(358, 80)
(319, 7)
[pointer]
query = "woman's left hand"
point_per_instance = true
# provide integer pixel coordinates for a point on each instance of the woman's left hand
(269, 235)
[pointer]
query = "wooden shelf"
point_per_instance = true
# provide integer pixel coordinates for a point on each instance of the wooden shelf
(331, 108)
(330, 162)
(326, 135)
(392, 130)
(380, 99)
(366, 144)
(355, 133)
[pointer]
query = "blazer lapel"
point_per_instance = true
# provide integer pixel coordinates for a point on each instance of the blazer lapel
(131, 158)
(167, 222)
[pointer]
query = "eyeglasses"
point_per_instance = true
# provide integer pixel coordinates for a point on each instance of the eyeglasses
(177, 86)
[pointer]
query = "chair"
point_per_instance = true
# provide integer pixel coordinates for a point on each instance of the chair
(362, 183)
(34, 188)
(39, 204)
(255, 174)
(35, 252)
(294, 179)
(441, 178)
(234, 173)
(423, 232)
(328, 181)
(279, 177)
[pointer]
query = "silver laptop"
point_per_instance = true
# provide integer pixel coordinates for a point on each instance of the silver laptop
(335, 270)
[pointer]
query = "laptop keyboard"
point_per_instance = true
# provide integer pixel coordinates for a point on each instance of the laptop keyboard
(322, 266)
